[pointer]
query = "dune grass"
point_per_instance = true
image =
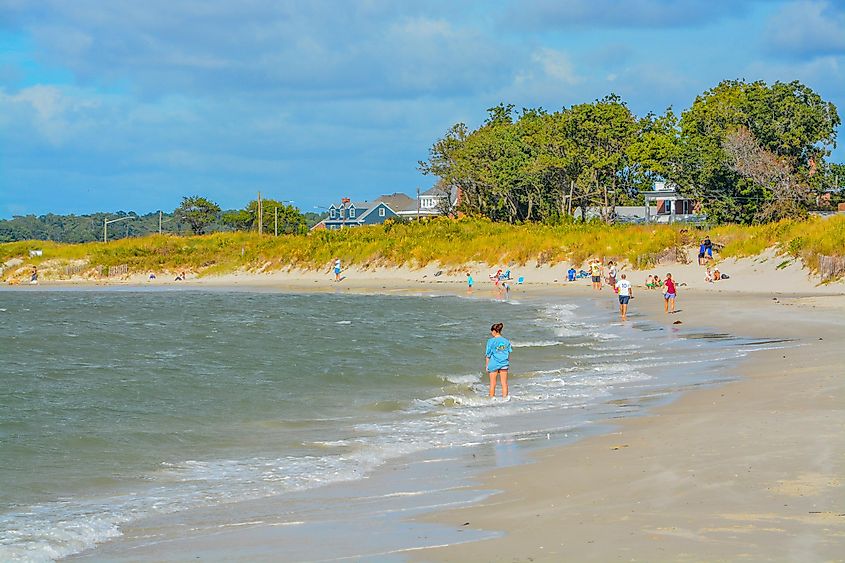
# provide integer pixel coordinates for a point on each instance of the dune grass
(805, 240)
(449, 243)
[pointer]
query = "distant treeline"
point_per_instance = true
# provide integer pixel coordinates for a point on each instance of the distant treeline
(89, 228)
(747, 152)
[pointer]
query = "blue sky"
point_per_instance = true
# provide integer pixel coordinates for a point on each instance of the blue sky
(126, 105)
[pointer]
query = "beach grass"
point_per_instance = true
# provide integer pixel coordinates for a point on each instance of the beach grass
(446, 242)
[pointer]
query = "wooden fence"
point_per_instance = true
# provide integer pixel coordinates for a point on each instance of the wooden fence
(75, 269)
(831, 267)
(118, 271)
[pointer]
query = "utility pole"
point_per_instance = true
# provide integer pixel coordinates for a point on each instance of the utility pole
(106, 225)
(260, 216)
(276, 220)
(159, 222)
(418, 204)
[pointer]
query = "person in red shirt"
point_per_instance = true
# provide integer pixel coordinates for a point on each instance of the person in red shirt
(669, 295)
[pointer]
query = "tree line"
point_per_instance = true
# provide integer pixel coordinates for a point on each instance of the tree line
(746, 151)
(195, 215)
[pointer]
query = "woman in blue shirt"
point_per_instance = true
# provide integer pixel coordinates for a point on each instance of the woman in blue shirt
(498, 359)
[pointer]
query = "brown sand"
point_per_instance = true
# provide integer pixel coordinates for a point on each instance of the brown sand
(752, 470)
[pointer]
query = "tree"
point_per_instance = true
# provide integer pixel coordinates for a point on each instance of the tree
(198, 212)
(291, 220)
(786, 195)
(789, 120)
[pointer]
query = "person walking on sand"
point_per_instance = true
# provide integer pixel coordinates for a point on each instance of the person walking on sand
(595, 272)
(33, 278)
(470, 281)
(669, 295)
(611, 274)
(625, 291)
(337, 269)
(497, 360)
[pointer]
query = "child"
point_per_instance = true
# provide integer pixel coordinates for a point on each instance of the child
(497, 359)
(571, 273)
(708, 277)
(337, 269)
(649, 282)
(470, 281)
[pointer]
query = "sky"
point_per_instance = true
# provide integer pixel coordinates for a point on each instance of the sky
(110, 105)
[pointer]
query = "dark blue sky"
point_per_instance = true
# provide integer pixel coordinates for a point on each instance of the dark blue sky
(120, 104)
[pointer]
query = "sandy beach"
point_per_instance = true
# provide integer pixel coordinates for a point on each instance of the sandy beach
(749, 470)
(752, 470)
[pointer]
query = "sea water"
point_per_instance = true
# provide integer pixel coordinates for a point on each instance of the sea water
(117, 405)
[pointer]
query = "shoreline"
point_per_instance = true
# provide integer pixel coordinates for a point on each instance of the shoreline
(752, 311)
(751, 469)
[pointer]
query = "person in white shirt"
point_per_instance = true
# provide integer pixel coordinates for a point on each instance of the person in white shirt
(625, 291)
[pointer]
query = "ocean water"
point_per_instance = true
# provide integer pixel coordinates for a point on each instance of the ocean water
(118, 405)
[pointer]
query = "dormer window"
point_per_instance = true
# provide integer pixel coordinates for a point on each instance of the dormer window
(332, 213)
(351, 212)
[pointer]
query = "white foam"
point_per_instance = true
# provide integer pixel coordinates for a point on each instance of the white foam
(536, 344)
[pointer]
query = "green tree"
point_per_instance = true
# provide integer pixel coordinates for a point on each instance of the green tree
(198, 212)
(788, 120)
(290, 219)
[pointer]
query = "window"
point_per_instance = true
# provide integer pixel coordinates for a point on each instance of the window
(351, 212)
(381, 211)
(332, 213)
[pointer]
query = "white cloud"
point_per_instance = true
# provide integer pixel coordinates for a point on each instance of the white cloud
(807, 29)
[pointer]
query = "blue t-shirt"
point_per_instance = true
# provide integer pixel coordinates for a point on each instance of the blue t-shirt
(571, 274)
(499, 351)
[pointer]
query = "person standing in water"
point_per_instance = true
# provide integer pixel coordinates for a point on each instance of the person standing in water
(670, 294)
(625, 293)
(497, 360)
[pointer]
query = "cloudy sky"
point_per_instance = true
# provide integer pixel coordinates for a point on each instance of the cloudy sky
(126, 105)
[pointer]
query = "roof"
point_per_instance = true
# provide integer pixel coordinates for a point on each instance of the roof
(440, 191)
(398, 201)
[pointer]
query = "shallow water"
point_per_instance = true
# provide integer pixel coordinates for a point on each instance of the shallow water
(121, 405)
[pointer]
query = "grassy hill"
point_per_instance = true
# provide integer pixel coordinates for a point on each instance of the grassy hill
(450, 243)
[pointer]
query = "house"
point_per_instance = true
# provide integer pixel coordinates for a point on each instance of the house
(663, 204)
(432, 203)
(355, 214)
(669, 205)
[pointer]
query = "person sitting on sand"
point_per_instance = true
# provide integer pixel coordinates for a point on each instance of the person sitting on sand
(497, 360)
(708, 277)
(658, 283)
(717, 275)
(571, 273)
(649, 282)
